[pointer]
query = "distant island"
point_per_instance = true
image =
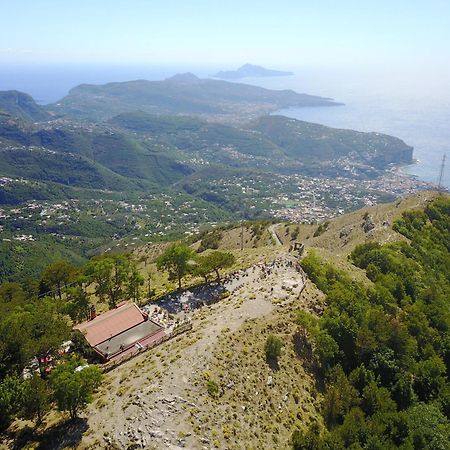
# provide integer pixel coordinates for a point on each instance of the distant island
(250, 70)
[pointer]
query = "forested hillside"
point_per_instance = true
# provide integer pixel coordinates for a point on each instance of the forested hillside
(311, 142)
(384, 350)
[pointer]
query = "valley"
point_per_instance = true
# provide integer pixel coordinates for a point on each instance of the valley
(117, 181)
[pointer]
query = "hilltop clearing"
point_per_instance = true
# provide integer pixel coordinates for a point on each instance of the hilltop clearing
(168, 398)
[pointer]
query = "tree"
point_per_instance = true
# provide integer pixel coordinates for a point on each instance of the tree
(307, 441)
(34, 330)
(135, 281)
(14, 343)
(120, 277)
(11, 389)
(73, 384)
(47, 328)
(98, 271)
(78, 305)
(376, 399)
(11, 294)
(58, 275)
(150, 290)
(178, 260)
(36, 398)
(202, 268)
(327, 348)
(110, 275)
(217, 261)
(213, 262)
(430, 378)
(428, 427)
(340, 397)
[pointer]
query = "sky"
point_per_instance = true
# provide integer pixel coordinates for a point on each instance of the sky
(280, 33)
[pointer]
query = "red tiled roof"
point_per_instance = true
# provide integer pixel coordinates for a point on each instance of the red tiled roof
(111, 323)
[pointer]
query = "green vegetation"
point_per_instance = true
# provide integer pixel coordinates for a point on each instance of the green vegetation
(183, 93)
(25, 333)
(214, 262)
(178, 260)
(115, 278)
(273, 350)
(21, 105)
(165, 170)
(73, 385)
(310, 142)
(321, 228)
(210, 240)
(213, 388)
(39, 233)
(137, 151)
(384, 350)
(63, 295)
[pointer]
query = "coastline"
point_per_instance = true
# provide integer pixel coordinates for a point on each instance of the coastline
(427, 152)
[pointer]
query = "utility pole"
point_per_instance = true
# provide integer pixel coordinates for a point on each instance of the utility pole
(242, 236)
(441, 173)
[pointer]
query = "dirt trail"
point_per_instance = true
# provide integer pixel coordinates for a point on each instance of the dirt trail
(161, 386)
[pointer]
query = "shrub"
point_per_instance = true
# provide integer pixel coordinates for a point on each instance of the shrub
(213, 388)
(273, 350)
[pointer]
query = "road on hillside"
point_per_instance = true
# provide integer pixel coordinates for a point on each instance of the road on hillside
(274, 234)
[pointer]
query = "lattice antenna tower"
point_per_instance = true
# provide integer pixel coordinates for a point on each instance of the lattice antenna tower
(441, 172)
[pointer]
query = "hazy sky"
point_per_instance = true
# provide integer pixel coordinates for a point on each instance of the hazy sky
(279, 32)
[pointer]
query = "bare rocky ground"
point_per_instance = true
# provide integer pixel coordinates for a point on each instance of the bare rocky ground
(156, 400)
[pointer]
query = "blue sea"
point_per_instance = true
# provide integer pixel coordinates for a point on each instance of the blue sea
(410, 103)
(412, 106)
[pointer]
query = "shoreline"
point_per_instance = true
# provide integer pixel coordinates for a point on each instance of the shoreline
(424, 174)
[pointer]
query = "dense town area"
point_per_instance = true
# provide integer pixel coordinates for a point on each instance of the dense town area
(293, 198)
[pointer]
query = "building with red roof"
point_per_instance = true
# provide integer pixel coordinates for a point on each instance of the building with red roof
(120, 330)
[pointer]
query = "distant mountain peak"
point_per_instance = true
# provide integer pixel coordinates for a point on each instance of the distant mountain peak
(251, 67)
(187, 77)
(251, 70)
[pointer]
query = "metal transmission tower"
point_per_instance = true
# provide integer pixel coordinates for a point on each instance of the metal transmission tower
(441, 173)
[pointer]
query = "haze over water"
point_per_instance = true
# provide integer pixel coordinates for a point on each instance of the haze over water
(403, 104)
(415, 109)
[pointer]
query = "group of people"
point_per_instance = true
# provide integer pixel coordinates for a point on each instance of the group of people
(205, 295)
(236, 280)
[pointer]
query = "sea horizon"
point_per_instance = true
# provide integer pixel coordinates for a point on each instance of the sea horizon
(416, 111)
